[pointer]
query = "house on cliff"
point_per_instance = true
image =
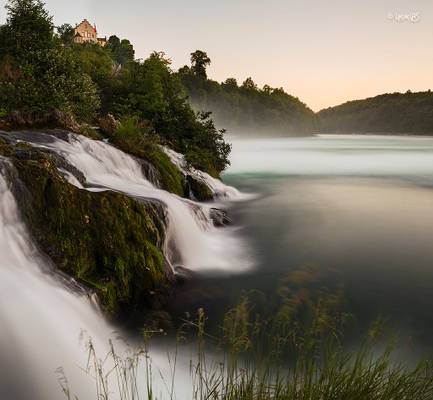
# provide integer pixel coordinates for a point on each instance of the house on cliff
(84, 32)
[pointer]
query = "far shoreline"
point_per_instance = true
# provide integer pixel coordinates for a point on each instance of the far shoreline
(230, 135)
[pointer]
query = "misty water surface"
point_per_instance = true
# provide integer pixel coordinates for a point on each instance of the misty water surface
(360, 207)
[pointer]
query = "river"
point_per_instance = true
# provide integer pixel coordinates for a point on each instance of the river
(357, 208)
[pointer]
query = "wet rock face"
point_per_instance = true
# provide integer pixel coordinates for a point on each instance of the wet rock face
(219, 217)
(107, 241)
(150, 172)
(23, 151)
(198, 190)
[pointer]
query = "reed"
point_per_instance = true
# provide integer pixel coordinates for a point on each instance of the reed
(256, 359)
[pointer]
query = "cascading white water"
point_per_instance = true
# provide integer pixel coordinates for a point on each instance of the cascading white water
(40, 320)
(44, 327)
(199, 245)
(220, 190)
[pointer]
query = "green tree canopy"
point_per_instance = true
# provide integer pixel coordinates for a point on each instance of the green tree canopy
(29, 27)
(199, 62)
(49, 73)
(387, 113)
(246, 108)
(150, 91)
(39, 76)
(122, 50)
(231, 83)
(66, 34)
(249, 84)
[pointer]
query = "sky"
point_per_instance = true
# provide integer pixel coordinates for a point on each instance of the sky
(325, 52)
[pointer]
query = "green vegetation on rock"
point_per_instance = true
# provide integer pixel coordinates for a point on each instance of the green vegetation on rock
(199, 189)
(106, 240)
(137, 138)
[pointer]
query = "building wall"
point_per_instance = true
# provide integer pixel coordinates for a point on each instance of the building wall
(87, 33)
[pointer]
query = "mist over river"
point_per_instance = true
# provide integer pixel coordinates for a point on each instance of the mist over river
(357, 208)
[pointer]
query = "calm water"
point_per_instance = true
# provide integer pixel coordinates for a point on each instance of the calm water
(358, 208)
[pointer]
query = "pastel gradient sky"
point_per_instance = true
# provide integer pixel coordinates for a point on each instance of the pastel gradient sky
(325, 52)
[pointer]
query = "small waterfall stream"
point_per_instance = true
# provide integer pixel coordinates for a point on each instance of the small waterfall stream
(192, 240)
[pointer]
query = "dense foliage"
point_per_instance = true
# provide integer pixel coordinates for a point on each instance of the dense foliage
(387, 113)
(43, 72)
(151, 92)
(122, 50)
(245, 108)
(37, 74)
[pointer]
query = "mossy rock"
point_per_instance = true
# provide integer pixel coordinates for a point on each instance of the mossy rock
(199, 190)
(105, 240)
(5, 149)
(169, 176)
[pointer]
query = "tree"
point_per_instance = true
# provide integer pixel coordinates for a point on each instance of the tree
(96, 61)
(122, 50)
(267, 89)
(52, 81)
(249, 84)
(66, 34)
(410, 112)
(42, 76)
(126, 52)
(199, 62)
(30, 27)
(113, 42)
(184, 70)
(151, 92)
(246, 108)
(231, 83)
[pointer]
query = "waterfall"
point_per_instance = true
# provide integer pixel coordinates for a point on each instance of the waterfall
(192, 239)
(44, 325)
(219, 189)
(43, 322)
(40, 319)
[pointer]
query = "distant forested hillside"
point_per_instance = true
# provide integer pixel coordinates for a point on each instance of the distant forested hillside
(388, 113)
(245, 108)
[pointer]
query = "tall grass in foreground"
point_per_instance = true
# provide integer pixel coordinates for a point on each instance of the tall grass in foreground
(236, 367)
(286, 348)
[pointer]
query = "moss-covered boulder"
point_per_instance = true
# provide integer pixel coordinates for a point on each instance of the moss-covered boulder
(169, 176)
(136, 138)
(199, 190)
(106, 240)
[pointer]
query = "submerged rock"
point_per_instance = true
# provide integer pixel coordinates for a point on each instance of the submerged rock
(198, 189)
(219, 217)
(183, 273)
